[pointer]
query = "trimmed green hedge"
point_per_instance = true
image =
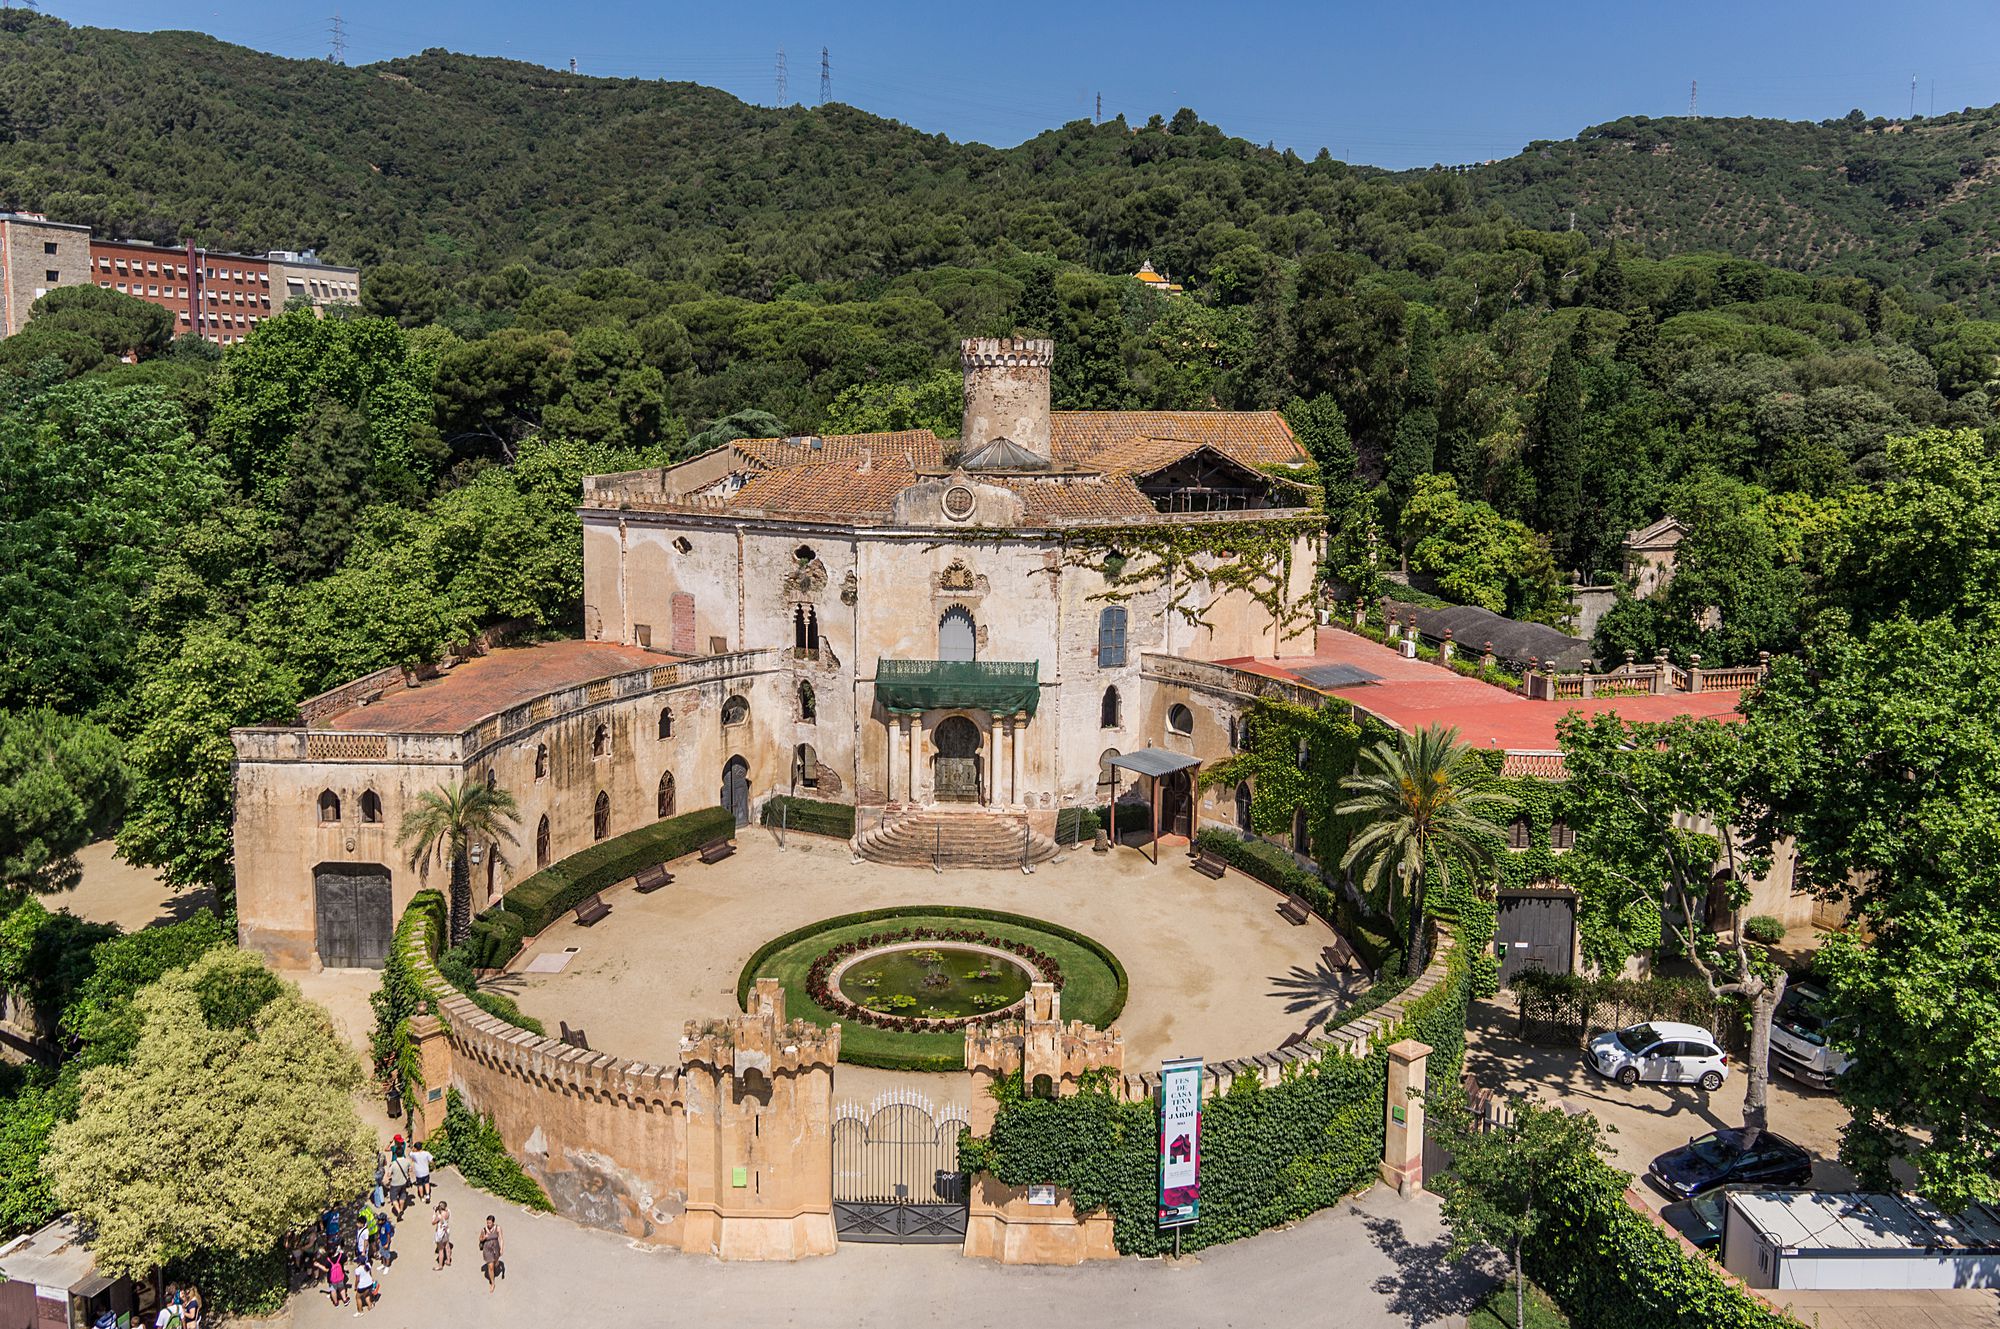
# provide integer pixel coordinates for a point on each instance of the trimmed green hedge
(921, 1051)
(495, 937)
(561, 887)
(1371, 938)
(810, 815)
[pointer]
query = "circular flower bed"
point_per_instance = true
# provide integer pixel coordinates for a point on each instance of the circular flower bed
(823, 985)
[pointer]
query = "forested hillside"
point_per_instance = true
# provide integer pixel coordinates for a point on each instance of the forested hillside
(1910, 201)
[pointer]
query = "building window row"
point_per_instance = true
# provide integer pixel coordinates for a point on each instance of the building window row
(371, 807)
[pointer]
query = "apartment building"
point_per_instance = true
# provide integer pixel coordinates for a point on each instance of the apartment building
(36, 256)
(305, 276)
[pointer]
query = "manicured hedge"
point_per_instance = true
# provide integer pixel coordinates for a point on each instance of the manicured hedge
(1372, 938)
(810, 815)
(495, 938)
(561, 887)
(1075, 825)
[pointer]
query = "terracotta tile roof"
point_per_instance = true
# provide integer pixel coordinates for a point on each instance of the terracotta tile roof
(894, 448)
(489, 684)
(1112, 497)
(1258, 437)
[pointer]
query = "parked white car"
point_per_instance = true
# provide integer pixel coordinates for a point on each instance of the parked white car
(1663, 1052)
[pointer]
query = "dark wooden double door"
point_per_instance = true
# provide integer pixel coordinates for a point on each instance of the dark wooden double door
(354, 914)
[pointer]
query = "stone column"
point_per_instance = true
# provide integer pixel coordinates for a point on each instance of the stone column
(434, 1064)
(916, 747)
(899, 734)
(1015, 727)
(1403, 1139)
(989, 744)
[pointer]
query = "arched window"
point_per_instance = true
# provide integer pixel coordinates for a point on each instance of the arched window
(371, 807)
(808, 704)
(541, 761)
(1235, 736)
(1301, 836)
(667, 795)
(735, 711)
(600, 741)
(492, 779)
(805, 630)
(329, 806)
(1560, 835)
(1105, 774)
(666, 722)
(1180, 720)
(805, 767)
(1517, 832)
(600, 817)
(1243, 807)
(1111, 637)
(542, 843)
(958, 635)
(1107, 711)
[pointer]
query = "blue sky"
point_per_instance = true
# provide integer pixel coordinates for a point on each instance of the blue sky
(1393, 85)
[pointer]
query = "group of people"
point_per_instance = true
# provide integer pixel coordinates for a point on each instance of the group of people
(352, 1266)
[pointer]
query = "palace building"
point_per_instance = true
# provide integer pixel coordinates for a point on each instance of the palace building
(922, 627)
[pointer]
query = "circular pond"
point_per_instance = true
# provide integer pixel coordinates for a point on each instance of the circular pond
(932, 982)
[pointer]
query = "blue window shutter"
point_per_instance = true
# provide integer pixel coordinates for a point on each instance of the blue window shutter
(1111, 637)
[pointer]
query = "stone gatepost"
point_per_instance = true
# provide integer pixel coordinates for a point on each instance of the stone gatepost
(1027, 1225)
(434, 1064)
(1403, 1138)
(759, 1102)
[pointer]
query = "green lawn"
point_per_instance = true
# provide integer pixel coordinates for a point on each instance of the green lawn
(1093, 989)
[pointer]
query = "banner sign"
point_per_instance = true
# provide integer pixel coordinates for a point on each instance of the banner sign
(1180, 1142)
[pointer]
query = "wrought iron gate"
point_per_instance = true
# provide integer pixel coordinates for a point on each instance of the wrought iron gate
(895, 1170)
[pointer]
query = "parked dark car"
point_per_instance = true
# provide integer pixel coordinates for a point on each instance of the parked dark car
(1734, 1157)
(1699, 1219)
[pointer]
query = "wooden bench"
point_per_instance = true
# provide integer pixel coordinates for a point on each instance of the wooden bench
(592, 910)
(717, 850)
(648, 880)
(1294, 910)
(1341, 957)
(1208, 865)
(573, 1037)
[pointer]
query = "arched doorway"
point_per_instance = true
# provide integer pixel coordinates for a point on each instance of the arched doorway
(1177, 803)
(805, 768)
(736, 789)
(956, 774)
(666, 795)
(353, 915)
(1243, 807)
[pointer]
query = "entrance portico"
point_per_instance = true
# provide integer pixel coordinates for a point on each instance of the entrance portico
(956, 729)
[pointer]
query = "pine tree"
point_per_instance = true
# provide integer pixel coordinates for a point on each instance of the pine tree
(1556, 449)
(1415, 449)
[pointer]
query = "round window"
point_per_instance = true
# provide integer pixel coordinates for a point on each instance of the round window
(958, 503)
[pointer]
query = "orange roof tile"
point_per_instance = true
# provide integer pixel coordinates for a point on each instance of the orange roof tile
(898, 447)
(491, 683)
(1257, 437)
(1111, 497)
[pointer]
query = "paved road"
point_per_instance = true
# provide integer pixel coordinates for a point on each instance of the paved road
(1375, 1262)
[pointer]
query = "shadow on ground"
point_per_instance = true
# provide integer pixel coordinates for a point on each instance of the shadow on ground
(1318, 992)
(1428, 1286)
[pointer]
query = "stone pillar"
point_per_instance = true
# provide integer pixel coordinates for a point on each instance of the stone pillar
(1403, 1138)
(989, 766)
(899, 734)
(1447, 648)
(434, 1064)
(1360, 615)
(1486, 656)
(1015, 728)
(916, 748)
(1694, 673)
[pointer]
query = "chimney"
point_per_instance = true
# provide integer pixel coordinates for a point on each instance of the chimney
(1006, 392)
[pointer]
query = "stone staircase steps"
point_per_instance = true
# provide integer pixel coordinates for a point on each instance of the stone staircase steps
(956, 839)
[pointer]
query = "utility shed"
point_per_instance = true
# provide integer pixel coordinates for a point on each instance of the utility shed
(50, 1280)
(1846, 1241)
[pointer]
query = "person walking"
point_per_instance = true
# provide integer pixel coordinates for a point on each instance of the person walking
(491, 1253)
(336, 1277)
(420, 1163)
(365, 1294)
(385, 1233)
(398, 1176)
(441, 1232)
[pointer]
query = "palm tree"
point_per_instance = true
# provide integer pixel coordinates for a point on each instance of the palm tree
(444, 824)
(1422, 805)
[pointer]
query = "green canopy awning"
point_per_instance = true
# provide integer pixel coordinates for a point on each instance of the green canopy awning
(1004, 687)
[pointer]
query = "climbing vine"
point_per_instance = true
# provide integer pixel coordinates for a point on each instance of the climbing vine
(1294, 756)
(1252, 558)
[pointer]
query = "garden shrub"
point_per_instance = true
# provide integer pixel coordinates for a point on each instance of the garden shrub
(455, 966)
(471, 1145)
(1764, 929)
(1567, 1009)
(1608, 1267)
(810, 816)
(495, 938)
(1270, 1154)
(1372, 937)
(234, 1285)
(561, 887)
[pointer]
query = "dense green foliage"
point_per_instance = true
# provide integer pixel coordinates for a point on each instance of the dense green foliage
(1569, 1009)
(468, 1142)
(1269, 1154)
(810, 815)
(562, 886)
(61, 786)
(1094, 985)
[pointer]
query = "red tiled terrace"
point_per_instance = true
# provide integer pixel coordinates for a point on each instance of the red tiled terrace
(488, 684)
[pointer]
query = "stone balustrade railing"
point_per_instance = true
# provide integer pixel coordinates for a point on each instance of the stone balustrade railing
(1217, 678)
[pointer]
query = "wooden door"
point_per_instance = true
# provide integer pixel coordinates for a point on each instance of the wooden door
(354, 914)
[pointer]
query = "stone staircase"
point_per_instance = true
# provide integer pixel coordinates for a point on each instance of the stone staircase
(957, 839)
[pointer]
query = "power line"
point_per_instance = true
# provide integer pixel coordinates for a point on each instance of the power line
(1097, 118)
(1692, 113)
(825, 77)
(339, 55)
(783, 99)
